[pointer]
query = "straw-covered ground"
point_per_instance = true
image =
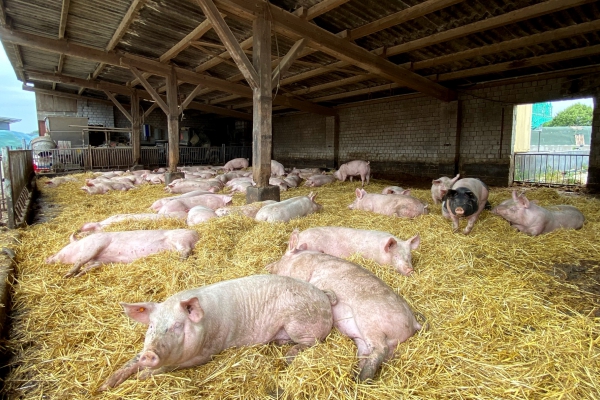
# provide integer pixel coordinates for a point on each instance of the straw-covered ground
(504, 320)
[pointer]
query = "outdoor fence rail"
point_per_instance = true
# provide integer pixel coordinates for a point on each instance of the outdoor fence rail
(569, 169)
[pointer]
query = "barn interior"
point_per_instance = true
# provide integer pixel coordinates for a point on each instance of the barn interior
(421, 89)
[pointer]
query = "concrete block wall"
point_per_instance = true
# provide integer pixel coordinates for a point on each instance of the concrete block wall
(97, 113)
(421, 136)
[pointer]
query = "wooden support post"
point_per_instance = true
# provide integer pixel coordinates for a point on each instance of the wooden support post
(136, 122)
(262, 100)
(173, 121)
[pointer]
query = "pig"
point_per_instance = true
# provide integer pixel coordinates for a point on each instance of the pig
(397, 205)
(226, 177)
(161, 202)
(121, 247)
(285, 210)
(139, 172)
(319, 180)
(212, 201)
(283, 186)
(381, 247)
(185, 186)
(368, 311)
(277, 168)
(240, 179)
(105, 187)
(312, 171)
(249, 210)
(292, 180)
(59, 180)
(236, 163)
(354, 168)
(98, 226)
(153, 178)
(199, 214)
(440, 187)
(532, 219)
(240, 187)
(395, 190)
(467, 198)
(190, 327)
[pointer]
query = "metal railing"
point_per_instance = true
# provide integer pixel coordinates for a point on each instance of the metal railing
(569, 169)
(88, 158)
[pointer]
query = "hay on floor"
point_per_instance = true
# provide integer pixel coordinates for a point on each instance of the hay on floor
(499, 323)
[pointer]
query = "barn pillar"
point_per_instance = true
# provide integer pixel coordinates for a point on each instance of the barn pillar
(135, 130)
(262, 109)
(593, 179)
(172, 127)
(332, 140)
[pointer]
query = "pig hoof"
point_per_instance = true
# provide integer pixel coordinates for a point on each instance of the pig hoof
(293, 352)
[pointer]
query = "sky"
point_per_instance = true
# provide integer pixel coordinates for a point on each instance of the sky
(14, 101)
(17, 103)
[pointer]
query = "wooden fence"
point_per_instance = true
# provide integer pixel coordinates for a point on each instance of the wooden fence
(17, 185)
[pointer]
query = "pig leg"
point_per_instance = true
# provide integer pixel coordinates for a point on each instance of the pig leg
(88, 267)
(455, 222)
(371, 357)
(131, 367)
(147, 373)
(471, 221)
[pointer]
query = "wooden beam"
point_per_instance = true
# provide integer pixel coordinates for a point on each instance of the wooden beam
(400, 17)
(190, 98)
(287, 61)
(64, 13)
(246, 44)
(262, 113)
(184, 43)
(136, 127)
(512, 17)
(63, 94)
(128, 60)
(331, 44)
(150, 90)
(230, 42)
(525, 41)
(126, 91)
(119, 106)
(130, 15)
(323, 7)
(149, 111)
(172, 120)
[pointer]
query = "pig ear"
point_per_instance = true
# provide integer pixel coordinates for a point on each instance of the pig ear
(524, 201)
(358, 193)
(193, 309)
(390, 243)
(406, 192)
(139, 312)
(514, 195)
(414, 242)
(312, 196)
(436, 182)
(294, 238)
(451, 193)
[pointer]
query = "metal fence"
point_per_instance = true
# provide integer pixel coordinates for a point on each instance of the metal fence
(88, 158)
(570, 169)
(17, 187)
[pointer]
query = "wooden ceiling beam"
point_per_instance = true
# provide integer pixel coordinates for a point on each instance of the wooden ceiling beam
(230, 42)
(190, 98)
(126, 91)
(118, 105)
(287, 61)
(333, 45)
(63, 94)
(149, 111)
(64, 13)
(130, 15)
(155, 96)
(322, 7)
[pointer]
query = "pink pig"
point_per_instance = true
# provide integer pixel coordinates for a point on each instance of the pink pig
(368, 311)
(236, 163)
(98, 226)
(397, 205)
(285, 210)
(121, 247)
(190, 327)
(212, 201)
(440, 187)
(354, 168)
(381, 247)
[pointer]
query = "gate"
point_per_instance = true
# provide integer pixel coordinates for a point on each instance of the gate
(569, 169)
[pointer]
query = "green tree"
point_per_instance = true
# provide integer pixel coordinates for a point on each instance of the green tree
(576, 115)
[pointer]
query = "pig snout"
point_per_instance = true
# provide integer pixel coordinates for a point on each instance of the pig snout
(459, 211)
(149, 359)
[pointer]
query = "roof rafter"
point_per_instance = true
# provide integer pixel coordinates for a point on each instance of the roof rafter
(64, 13)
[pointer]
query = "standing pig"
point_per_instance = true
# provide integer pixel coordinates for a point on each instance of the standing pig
(277, 168)
(529, 218)
(121, 247)
(381, 247)
(467, 198)
(190, 327)
(354, 168)
(368, 311)
(440, 187)
(397, 205)
(236, 163)
(285, 210)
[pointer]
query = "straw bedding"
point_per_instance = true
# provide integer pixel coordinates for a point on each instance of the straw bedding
(502, 319)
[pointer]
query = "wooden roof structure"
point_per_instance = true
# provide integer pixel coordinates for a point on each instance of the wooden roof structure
(325, 53)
